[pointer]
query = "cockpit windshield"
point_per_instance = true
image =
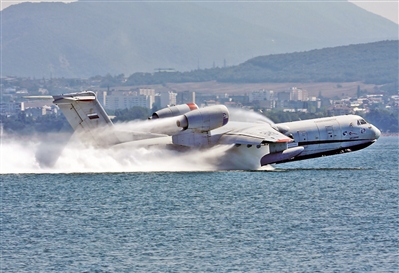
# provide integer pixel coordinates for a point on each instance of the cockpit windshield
(361, 122)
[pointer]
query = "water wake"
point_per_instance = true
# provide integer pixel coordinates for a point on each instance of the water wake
(61, 153)
(34, 156)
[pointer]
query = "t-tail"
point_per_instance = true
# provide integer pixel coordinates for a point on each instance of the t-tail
(86, 116)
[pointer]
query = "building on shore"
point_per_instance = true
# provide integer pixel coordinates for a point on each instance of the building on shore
(141, 97)
(167, 98)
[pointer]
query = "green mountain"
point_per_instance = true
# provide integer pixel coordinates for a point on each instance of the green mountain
(83, 39)
(375, 63)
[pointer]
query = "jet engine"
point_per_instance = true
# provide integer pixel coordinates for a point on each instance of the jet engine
(205, 119)
(197, 124)
(173, 111)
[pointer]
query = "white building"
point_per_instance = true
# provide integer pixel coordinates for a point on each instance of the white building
(127, 101)
(11, 107)
(147, 91)
(185, 97)
(168, 98)
(143, 97)
(298, 94)
(102, 97)
(261, 95)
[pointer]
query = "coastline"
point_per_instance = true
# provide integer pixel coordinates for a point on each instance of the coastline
(390, 134)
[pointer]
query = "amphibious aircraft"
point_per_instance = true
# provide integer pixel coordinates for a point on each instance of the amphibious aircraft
(186, 127)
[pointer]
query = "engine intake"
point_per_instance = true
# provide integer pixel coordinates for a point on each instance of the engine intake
(205, 119)
(173, 111)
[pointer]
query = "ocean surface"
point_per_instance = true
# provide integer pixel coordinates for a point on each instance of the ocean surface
(331, 214)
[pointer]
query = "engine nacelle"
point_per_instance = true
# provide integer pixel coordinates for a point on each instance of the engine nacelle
(173, 111)
(205, 119)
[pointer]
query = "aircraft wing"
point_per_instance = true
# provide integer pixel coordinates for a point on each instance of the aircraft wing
(253, 134)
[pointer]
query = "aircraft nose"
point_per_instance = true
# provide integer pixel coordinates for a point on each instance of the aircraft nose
(376, 132)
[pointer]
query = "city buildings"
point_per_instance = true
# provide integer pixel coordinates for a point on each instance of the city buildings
(125, 97)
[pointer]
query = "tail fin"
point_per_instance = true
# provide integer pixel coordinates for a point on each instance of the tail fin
(90, 121)
(86, 115)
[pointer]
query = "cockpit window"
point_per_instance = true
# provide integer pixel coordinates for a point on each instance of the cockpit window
(361, 121)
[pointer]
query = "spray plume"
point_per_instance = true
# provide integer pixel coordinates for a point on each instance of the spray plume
(61, 153)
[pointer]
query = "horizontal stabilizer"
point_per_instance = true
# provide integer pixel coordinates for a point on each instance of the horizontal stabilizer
(83, 96)
(39, 97)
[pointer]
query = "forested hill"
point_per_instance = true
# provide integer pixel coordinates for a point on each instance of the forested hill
(375, 63)
(370, 63)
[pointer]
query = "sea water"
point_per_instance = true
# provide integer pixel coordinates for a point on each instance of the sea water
(331, 214)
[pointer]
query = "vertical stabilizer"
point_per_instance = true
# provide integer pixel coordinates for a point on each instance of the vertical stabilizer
(86, 116)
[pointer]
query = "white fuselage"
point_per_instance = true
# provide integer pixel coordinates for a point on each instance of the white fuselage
(333, 135)
(314, 138)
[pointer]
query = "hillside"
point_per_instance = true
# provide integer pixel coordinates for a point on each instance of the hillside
(375, 63)
(83, 39)
(372, 63)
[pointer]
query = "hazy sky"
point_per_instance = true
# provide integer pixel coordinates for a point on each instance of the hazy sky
(385, 8)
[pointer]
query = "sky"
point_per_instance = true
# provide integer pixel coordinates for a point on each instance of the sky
(385, 8)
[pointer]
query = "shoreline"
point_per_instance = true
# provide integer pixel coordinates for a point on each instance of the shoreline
(390, 134)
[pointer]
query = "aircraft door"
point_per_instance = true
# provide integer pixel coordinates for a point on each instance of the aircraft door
(303, 136)
(330, 132)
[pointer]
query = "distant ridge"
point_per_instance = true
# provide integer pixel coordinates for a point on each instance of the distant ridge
(371, 63)
(83, 39)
